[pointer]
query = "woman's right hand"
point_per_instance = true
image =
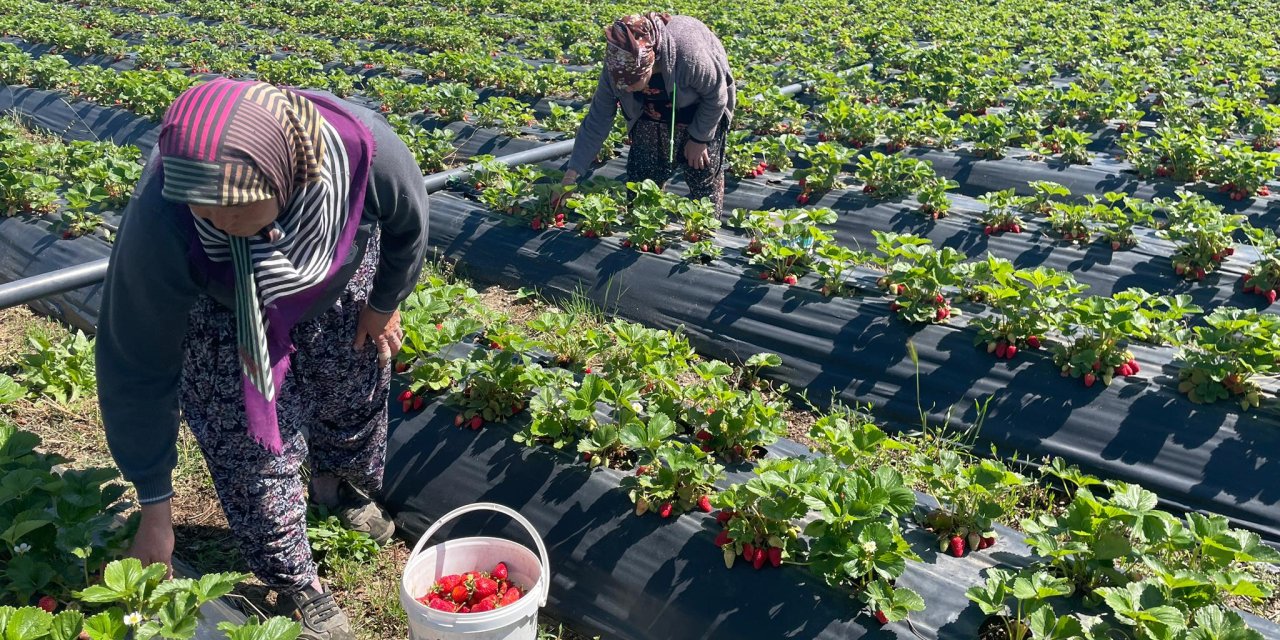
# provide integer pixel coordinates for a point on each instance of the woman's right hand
(154, 540)
(570, 178)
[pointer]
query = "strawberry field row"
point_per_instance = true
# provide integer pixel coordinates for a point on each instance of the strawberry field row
(653, 390)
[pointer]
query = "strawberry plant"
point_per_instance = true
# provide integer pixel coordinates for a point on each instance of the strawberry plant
(1071, 145)
(59, 366)
(732, 424)
(1044, 197)
(1102, 327)
(892, 176)
(990, 134)
(560, 415)
(494, 386)
(1226, 354)
(80, 216)
(432, 148)
(563, 118)
(143, 604)
(1242, 171)
(1000, 215)
(779, 149)
(1026, 305)
(789, 251)
(971, 494)
(760, 516)
(507, 114)
(932, 196)
(698, 217)
(1074, 222)
(632, 351)
(1030, 614)
(1264, 127)
(917, 276)
(1263, 276)
(742, 155)
(851, 122)
(835, 262)
(1119, 218)
(599, 213)
(567, 335)
(856, 540)
(889, 603)
(1181, 154)
(703, 252)
(678, 478)
(826, 163)
(1202, 231)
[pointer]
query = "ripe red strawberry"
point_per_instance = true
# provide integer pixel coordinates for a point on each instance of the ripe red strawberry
(641, 470)
(1001, 349)
(1115, 245)
(1133, 367)
(644, 248)
(1033, 342)
(1089, 379)
(401, 367)
(957, 546)
(759, 560)
(439, 327)
(775, 556)
(723, 538)
(1271, 296)
(893, 306)
(942, 313)
(1122, 370)
(704, 504)
(938, 299)
(1200, 273)
(447, 583)
(987, 541)
(1015, 228)
(476, 423)
(486, 587)
(559, 217)
(406, 406)
(406, 395)
(460, 593)
(881, 618)
(790, 280)
(626, 244)
(724, 516)
(417, 403)
(665, 510)
(703, 435)
(802, 199)
(586, 456)
(1097, 365)
(988, 230)
(510, 597)
(499, 571)
(1011, 352)
(443, 605)
(458, 420)
(536, 224)
(1179, 269)
(748, 552)
(488, 604)
(658, 250)
(48, 603)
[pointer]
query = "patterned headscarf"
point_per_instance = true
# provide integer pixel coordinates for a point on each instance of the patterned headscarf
(631, 43)
(228, 143)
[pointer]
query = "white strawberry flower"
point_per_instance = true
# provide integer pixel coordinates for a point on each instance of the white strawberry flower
(21, 549)
(869, 546)
(637, 407)
(133, 619)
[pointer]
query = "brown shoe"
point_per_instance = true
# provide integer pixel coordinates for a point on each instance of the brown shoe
(319, 615)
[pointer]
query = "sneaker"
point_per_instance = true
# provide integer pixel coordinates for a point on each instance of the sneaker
(319, 615)
(356, 511)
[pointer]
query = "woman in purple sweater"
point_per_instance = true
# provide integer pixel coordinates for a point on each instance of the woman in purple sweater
(253, 288)
(670, 75)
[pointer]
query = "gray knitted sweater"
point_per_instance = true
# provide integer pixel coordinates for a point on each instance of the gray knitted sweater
(696, 68)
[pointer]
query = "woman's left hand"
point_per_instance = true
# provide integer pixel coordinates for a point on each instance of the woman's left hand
(696, 154)
(383, 329)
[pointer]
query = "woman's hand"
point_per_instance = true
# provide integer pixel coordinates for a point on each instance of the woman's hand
(154, 540)
(696, 154)
(557, 196)
(383, 329)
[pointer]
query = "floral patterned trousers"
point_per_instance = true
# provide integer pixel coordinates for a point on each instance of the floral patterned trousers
(650, 158)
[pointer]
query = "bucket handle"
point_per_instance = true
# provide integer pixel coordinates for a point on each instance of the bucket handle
(507, 511)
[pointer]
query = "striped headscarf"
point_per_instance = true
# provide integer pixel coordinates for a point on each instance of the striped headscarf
(229, 143)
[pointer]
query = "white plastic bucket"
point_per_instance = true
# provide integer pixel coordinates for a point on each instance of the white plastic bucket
(518, 621)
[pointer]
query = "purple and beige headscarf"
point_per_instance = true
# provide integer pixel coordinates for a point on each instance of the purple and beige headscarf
(229, 143)
(631, 40)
